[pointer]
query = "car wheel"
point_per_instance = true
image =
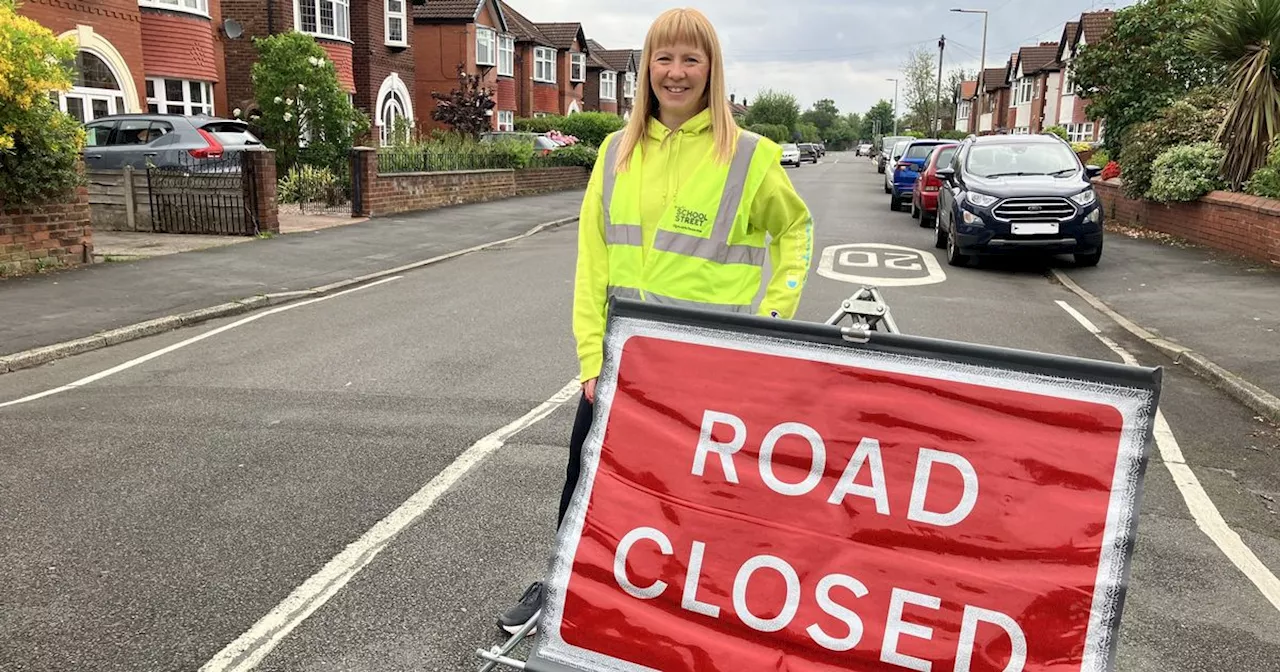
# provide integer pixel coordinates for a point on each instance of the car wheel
(1088, 260)
(926, 219)
(954, 257)
(939, 234)
(893, 203)
(887, 189)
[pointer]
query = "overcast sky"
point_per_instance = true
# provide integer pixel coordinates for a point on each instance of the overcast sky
(838, 49)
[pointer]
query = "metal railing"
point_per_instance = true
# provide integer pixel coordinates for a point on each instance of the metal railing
(392, 161)
(202, 196)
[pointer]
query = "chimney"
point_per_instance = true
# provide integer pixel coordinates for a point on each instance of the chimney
(731, 99)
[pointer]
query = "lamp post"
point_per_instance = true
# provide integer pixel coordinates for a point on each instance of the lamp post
(983, 67)
(895, 102)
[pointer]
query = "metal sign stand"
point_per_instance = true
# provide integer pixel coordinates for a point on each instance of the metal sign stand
(867, 312)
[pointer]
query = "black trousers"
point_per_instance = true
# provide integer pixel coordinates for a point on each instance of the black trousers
(581, 427)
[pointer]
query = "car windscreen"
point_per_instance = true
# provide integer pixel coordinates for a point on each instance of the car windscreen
(918, 151)
(899, 148)
(231, 133)
(1015, 159)
(945, 156)
(790, 148)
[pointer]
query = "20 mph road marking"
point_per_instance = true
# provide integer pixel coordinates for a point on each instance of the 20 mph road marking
(251, 647)
(1206, 515)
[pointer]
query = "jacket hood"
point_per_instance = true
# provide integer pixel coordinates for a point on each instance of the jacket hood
(700, 123)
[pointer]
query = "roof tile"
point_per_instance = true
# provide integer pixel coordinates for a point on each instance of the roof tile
(1035, 59)
(523, 28)
(1096, 24)
(447, 9)
(562, 35)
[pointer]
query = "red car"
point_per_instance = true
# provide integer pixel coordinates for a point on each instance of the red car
(924, 197)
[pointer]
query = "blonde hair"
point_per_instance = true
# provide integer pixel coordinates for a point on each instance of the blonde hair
(680, 26)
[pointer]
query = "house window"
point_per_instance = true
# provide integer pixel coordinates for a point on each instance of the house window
(1080, 132)
(506, 55)
(396, 20)
(963, 110)
(608, 85)
(629, 85)
(1024, 90)
(1066, 80)
(324, 18)
(194, 6)
(486, 47)
(179, 96)
(390, 117)
(577, 67)
(95, 90)
(544, 65)
(506, 120)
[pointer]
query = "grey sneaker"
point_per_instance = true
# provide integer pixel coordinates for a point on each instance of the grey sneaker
(527, 609)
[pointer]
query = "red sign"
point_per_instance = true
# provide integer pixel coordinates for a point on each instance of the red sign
(756, 509)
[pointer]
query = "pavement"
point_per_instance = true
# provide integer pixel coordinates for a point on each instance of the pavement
(165, 497)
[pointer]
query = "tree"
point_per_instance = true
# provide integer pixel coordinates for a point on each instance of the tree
(878, 120)
(775, 132)
(1142, 65)
(806, 132)
(822, 115)
(774, 107)
(39, 144)
(853, 121)
(305, 114)
(920, 78)
(1244, 36)
(467, 107)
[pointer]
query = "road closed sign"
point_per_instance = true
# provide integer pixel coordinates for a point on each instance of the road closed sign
(758, 499)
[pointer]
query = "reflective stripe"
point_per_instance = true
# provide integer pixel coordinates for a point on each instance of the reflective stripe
(624, 234)
(634, 294)
(692, 246)
(610, 177)
(625, 292)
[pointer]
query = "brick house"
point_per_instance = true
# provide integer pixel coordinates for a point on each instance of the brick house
(993, 103)
(535, 67)
(609, 70)
(1028, 77)
(569, 64)
(1070, 113)
(474, 34)
(967, 107)
(139, 55)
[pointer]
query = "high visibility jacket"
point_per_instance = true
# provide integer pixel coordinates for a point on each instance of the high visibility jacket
(680, 227)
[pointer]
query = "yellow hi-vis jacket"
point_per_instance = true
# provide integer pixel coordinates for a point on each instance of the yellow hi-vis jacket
(680, 227)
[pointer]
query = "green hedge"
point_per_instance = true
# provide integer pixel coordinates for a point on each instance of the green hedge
(588, 127)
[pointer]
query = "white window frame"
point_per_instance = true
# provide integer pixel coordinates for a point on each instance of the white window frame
(506, 120)
(629, 85)
(198, 7)
(189, 107)
(486, 36)
(608, 85)
(402, 17)
(341, 18)
(577, 66)
(964, 110)
(1067, 88)
(506, 55)
(1026, 90)
(544, 61)
(1082, 132)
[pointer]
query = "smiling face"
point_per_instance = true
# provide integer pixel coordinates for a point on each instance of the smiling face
(678, 75)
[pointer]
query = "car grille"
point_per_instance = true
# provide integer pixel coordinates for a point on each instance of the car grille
(1031, 210)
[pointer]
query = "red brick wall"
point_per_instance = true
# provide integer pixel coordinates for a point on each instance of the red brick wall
(118, 21)
(178, 45)
(569, 90)
(241, 54)
(541, 180)
(591, 91)
(1238, 223)
(546, 98)
(341, 55)
(438, 49)
(373, 61)
(524, 79)
(610, 106)
(506, 94)
(38, 236)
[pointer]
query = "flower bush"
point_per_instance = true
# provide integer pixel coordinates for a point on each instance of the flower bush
(39, 144)
(1111, 171)
(589, 127)
(1265, 181)
(1186, 172)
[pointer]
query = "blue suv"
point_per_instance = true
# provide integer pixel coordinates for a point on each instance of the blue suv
(908, 168)
(1015, 194)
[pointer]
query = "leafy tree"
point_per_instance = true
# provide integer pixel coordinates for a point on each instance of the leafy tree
(822, 115)
(1244, 37)
(775, 132)
(806, 132)
(920, 78)
(467, 107)
(304, 113)
(879, 116)
(774, 107)
(39, 144)
(853, 121)
(1143, 65)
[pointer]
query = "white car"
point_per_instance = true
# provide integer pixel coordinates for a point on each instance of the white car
(864, 149)
(896, 153)
(790, 155)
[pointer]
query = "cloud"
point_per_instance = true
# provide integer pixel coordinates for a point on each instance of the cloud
(838, 49)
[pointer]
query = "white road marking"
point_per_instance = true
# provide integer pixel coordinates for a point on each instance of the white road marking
(250, 648)
(874, 256)
(1206, 514)
(177, 346)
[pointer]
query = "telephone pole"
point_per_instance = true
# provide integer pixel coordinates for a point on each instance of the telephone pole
(937, 102)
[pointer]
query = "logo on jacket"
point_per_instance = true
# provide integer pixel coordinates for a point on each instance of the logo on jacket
(690, 220)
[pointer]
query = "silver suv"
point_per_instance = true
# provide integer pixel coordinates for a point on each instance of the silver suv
(165, 141)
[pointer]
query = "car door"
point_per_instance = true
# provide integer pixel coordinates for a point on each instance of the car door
(97, 138)
(129, 146)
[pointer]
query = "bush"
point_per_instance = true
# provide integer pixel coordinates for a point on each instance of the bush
(1059, 131)
(574, 155)
(953, 135)
(445, 151)
(1186, 172)
(1100, 158)
(1265, 181)
(1190, 120)
(309, 184)
(589, 127)
(1079, 147)
(39, 144)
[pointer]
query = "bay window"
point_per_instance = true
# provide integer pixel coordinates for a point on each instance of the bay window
(544, 65)
(608, 85)
(193, 6)
(506, 55)
(324, 18)
(486, 46)
(179, 96)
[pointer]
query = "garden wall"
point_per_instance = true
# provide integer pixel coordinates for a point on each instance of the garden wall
(52, 235)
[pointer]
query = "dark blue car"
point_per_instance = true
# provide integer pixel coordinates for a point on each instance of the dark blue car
(908, 168)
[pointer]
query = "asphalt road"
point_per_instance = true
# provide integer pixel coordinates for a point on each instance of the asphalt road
(153, 516)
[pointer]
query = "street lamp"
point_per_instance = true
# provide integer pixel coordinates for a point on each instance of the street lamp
(983, 67)
(895, 102)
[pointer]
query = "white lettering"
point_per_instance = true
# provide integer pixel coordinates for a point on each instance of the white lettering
(790, 605)
(896, 627)
(868, 451)
(969, 632)
(831, 607)
(919, 490)
(690, 599)
(724, 449)
(817, 466)
(620, 562)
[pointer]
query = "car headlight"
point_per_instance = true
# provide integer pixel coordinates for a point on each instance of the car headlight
(981, 200)
(1086, 197)
(970, 218)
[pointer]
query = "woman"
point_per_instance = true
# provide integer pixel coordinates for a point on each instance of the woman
(694, 206)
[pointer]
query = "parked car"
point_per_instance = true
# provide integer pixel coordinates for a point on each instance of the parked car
(166, 141)
(864, 149)
(1015, 194)
(790, 155)
(924, 196)
(908, 168)
(808, 152)
(887, 143)
(894, 154)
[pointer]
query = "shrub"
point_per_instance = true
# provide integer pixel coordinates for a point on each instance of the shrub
(1186, 172)
(589, 127)
(1100, 157)
(1059, 131)
(1111, 171)
(39, 144)
(953, 135)
(1190, 120)
(453, 151)
(1265, 181)
(308, 184)
(1079, 147)
(574, 155)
